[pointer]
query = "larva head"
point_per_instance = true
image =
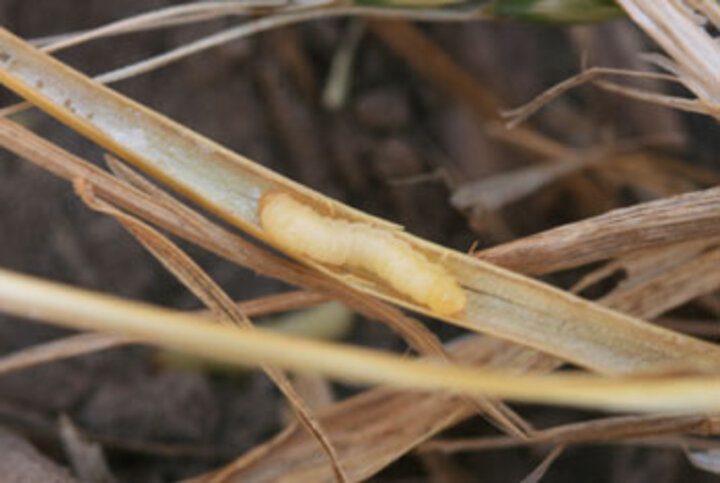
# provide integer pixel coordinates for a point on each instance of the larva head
(272, 199)
(276, 211)
(446, 297)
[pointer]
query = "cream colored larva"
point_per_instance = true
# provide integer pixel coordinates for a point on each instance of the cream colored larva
(299, 229)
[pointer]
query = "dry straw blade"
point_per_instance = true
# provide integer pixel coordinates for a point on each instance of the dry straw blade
(680, 28)
(407, 416)
(667, 221)
(37, 299)
(499, 302)
(85, 343)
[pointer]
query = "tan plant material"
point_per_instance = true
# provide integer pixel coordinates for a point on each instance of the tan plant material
(516, 116)
(499, 302)
(416, 334)
(508, 298)
(167, 213)
(594, 431)
(376, 427)
(693, 55)
(430, 61)
(690, 216)
(282, 15)
(379, 409)
(422, 339)
(156, 19)
(80, 344)
(221, 306)
(653, 296)
(76, 345)
(496, 191)
(640, 266)
(417, 421)
(537, 474)
(317, 391)
(655, 176)
(692, 59)
(87, 458)
(339, 77)
(71, 346)
(36, 299)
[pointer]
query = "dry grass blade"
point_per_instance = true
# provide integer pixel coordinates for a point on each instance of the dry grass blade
(60, 349)
(538, 473)
(163, 17)
(376, 427)
(222, 307)
(269, 22)
(676, 219)
(166, 212)
(679, 28)
(644, 265)
(87, 457)
(655, 296)
(494, 192)
(498, 413)
(285, 15)
(499, 302)
(378, 411)
(599, 430)
(689, 105)
(339, 77)
(160, 18)
(519, 114)
(424, 341)
(76, 345)
(36, 299)
(271, 304)
(207, 10)
(250, 28)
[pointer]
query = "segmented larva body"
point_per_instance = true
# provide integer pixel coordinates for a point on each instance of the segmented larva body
(298, 228)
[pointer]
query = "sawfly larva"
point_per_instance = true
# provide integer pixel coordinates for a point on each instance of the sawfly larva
(299, 229)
